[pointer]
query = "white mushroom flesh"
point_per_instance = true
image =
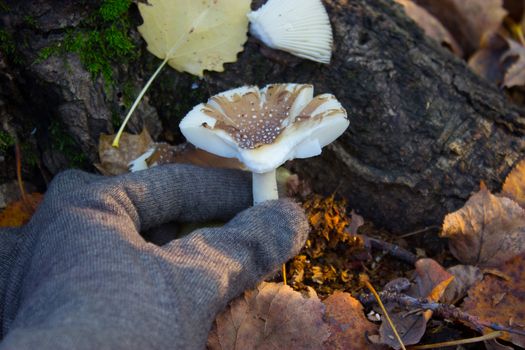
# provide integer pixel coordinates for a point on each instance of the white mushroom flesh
(264, 128)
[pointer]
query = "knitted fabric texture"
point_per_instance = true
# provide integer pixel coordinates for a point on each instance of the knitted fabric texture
(80, 276)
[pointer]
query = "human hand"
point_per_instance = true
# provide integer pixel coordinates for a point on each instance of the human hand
(83, 277)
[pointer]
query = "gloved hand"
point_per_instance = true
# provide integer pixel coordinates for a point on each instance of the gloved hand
(81, 277)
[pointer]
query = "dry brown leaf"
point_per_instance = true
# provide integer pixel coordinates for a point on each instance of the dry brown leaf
(356, 221)
(515, 75)
(114, 161)
(514, 185)
(468, 21)
(486, 61)
(501, 301)
(430, 283)
(465, 276)
(186, 153)
(493, 344)
(271, 317)
(487, 231)
(430, 25)
(348, 324)
(20, 212)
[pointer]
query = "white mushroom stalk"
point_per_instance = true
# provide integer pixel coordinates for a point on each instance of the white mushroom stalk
(300, 27)
(265, 128)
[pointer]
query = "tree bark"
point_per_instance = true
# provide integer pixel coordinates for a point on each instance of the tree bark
(424, 130)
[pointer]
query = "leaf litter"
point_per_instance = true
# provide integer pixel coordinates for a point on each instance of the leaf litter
(488, 34)
(330, 262)
(334, 253)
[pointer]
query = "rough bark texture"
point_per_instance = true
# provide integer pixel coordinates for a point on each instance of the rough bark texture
(424, 130)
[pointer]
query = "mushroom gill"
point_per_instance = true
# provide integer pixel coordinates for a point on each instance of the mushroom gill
(254, 118)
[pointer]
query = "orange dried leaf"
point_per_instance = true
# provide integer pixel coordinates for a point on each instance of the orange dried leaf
(502, 301)
(348, 324)
(514, 186)
(20, 212)
(487, 231)
(465, 276)
(272, 316)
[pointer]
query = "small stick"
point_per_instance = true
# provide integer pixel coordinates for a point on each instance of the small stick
(392, 249)
(364, 279)
(284, 274)
(445, 311)
(18, 156)
(488, 336)
(413, 233)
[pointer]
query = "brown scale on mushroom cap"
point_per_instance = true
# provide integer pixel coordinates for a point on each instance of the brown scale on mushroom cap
(251, 124)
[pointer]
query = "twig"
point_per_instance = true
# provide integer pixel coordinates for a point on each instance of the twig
(445, 311)
(413, 233)
(488, 336)
(366, 282)
(18, 156)
(390, 248)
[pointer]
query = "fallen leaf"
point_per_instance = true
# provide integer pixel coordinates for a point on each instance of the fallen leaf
(470, 22)
(431, 280)
(114, 161)
(465, 276)
(515, 75)
(348, 323)
(18, 213)
(487, 231)
(486, 61)
(514, 185)
(356, 221)
(508, 307)
(273, 316)
(430, 25)
(493, 344)
(188, 154)
(195, 35)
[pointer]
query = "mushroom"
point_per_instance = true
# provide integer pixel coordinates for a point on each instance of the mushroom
(265, 128)
(300, 27)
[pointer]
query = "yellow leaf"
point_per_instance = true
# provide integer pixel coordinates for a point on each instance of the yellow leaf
(195, 35)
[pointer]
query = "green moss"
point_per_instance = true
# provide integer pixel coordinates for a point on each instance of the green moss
(4, 7)
(7, 43)
(101, 41)
(30, 21)
(63, 142)
(29, 154)
(6, 141)
(113, 10)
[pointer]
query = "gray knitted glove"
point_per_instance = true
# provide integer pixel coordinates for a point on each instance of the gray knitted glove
(81, 277)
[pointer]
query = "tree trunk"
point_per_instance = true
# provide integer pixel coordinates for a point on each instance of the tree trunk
(424, 130)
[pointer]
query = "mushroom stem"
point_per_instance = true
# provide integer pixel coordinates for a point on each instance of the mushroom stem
(264, 187)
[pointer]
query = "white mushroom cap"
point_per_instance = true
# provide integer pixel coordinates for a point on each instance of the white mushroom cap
(300, 27)
(265, 128)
